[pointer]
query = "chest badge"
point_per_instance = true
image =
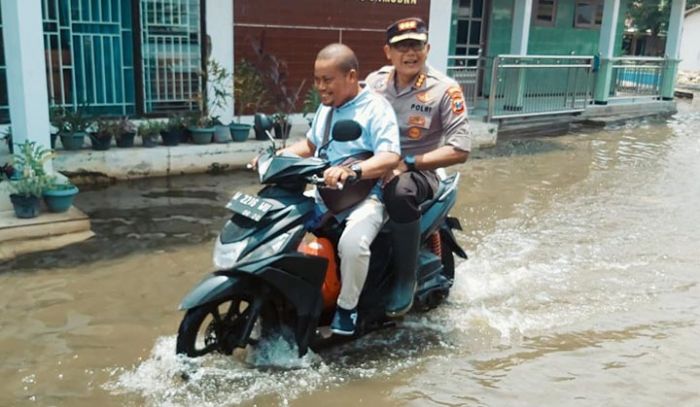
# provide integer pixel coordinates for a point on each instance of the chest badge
(423, 97)
(416, 121)
(414, 133)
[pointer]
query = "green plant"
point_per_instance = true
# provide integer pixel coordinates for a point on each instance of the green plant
(150, 130)
(248, 89)
(105, 129)
(312, 101)
(57, 117)
(175, 122)
(275, 74)
(7, 136)
(75, 121)
(126, 126)
(216, 79)
(29, 161)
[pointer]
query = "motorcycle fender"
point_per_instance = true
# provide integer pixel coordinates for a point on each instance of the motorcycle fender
(451, 241)
(209, 289)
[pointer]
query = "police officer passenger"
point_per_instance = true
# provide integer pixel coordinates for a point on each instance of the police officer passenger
(434, 132)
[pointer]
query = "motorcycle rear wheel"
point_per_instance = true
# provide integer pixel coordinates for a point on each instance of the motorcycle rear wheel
(224, 325)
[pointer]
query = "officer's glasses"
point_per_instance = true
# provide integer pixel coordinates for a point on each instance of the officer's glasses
(409, 45)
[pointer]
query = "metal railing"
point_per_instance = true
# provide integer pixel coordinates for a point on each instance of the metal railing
(171, 48)
(532, 85)
(89, 54)
(634, 77)
(468, 71)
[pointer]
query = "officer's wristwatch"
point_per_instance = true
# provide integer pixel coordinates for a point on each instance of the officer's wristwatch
(357, 170)
(410, 161)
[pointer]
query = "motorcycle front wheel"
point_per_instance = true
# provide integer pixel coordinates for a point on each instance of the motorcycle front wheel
(223, 325)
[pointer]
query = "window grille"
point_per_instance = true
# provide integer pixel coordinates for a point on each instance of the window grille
(544, 12)
(172, 60)
(89, 54)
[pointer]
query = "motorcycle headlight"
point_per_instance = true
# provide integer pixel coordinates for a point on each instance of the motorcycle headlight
(226, 255)
(268, 248)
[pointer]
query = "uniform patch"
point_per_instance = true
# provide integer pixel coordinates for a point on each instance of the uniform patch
(458, 105)
(414, 133)
(423, 97)
(416, 121)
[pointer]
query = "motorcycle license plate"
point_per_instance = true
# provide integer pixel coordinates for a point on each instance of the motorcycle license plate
(252, 207)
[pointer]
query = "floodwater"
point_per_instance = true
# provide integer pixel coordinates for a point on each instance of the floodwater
(581, 289)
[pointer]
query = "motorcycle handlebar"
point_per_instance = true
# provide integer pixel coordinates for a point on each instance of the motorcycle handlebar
(319, 181)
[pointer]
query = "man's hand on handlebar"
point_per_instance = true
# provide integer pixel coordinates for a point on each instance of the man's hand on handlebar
(335, 177)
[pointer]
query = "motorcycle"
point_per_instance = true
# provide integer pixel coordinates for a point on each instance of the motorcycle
(273, 276)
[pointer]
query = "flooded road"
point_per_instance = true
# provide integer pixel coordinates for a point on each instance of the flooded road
(581, 289)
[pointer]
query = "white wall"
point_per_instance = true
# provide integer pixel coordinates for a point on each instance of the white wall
(439, 27)
(219, 15)
(690, 43)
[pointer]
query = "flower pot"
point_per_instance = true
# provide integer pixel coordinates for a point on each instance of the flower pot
(278, 130)
(201, 135)
(53, 136)
(170, 138)
(222, 134)
(239, 132)
(73, 141)
(149, 142)
(126, 140)
(25, 206)
(100, 143)
(60, 200)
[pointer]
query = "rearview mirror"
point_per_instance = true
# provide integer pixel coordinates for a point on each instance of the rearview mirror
(263, 121)
(346, 130)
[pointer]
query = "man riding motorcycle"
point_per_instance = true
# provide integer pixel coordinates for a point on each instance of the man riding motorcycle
(336, 78)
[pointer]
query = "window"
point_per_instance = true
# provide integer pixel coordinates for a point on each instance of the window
(96, 56)
(544, 12)
(172, 58)
(588, 14)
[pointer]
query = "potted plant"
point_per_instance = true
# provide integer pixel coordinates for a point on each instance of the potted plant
(249, 95)
(104, 131)
(149, 132)
(206, 126)
(29, 186)
(7, 136)
(275, 73)
(311, 103)
(174, 131)
(59, 195)
(126, 133)
(56, 120)
(74, 130)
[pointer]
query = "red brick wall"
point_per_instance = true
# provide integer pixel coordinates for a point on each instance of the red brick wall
(295, 30)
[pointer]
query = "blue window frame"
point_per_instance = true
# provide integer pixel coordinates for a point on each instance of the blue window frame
(123, 56)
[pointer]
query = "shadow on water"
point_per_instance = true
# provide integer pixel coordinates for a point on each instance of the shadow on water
(144, 215)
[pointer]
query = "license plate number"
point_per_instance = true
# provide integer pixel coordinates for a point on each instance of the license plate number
(252, 207)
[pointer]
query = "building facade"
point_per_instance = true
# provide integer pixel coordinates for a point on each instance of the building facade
(690, 46)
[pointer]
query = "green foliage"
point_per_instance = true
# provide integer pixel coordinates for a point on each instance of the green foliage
(29, 160)
(216, 79)
(74, 121)
(311, 101)
(248, 89)
(175, 122)
(105, 129)
(653, 15)
(149, 130)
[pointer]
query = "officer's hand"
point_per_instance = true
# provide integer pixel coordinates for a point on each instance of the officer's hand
(389, 175)
(337, 175)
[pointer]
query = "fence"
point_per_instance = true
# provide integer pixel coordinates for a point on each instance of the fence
(634, 77)
(532, 85)
(468, 71)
